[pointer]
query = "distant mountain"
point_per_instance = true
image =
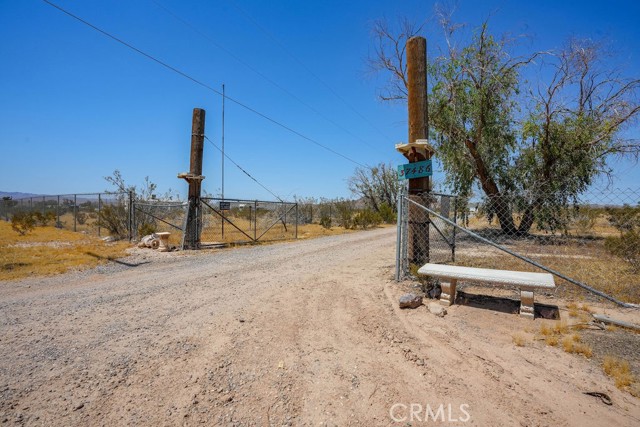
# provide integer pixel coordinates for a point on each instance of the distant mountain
(17, 195)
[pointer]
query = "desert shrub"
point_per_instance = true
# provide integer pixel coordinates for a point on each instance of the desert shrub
(115, 218)
(243, 212)
(325, 221)
(147, 228)
(23, 222)
(366, 219)
(345, 210)
(44, 219)
(387, 214)
(625, 218)
(627, 247)
(306, 209)
(584, 219)
(81, 217)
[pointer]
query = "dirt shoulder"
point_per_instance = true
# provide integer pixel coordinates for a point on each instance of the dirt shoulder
(302, 333)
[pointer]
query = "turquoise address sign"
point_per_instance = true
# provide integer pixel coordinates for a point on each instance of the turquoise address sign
(415, 170)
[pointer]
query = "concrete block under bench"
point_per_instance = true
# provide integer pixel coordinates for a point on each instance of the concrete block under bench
(526, 281)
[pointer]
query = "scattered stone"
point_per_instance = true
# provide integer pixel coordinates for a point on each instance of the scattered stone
(410, 301)
(108, 239)
(79, 406)
(437, 309)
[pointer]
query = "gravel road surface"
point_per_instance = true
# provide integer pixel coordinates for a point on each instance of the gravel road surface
(302, 333)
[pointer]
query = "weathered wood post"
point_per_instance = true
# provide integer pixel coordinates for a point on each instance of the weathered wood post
(194, 178)
(418, 149)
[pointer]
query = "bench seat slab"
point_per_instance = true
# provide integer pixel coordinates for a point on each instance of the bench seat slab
(505, 277)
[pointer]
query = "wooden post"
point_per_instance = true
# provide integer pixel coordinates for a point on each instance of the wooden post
(194, 217)
(418, 236)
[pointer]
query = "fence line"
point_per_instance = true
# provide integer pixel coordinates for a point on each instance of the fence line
(78, 212)
(592, 241)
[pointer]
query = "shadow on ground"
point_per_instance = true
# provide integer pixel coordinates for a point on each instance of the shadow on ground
(504, 305)
(127, 264)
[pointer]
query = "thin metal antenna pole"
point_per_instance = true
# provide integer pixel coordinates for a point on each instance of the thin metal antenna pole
(223, 97)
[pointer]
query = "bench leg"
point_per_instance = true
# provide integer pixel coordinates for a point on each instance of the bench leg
(526, 304)
(448, 295)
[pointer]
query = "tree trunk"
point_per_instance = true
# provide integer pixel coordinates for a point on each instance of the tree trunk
(527, 221)
(528, 217)
(499, 205)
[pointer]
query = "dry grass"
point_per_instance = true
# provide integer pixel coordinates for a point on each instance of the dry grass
(580, 255)
(551, 340)
(519, 339)
(571, 344)
(619, 370)
(560, 332)
(588, 263)
(49, 250)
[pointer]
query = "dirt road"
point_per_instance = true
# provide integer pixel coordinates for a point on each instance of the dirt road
(304, 333)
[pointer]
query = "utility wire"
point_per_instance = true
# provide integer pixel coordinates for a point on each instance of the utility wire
(243, 171)
(206, 86)
(307, 69)
(259, 73)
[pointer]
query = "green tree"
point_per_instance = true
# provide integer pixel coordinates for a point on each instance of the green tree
(531, 149)
(376, 185)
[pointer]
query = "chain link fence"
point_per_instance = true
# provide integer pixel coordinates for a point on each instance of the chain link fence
(591, 241)
(156, 216)
(423, 238)
(85, 213)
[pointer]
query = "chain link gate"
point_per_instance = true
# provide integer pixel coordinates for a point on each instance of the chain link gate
(247, 221)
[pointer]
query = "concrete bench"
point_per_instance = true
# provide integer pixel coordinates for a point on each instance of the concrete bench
(527, 282)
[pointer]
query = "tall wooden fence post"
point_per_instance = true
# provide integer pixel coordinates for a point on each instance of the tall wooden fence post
(194, 178)
(418, 236)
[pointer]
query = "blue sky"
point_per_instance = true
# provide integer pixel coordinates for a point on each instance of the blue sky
(76, 105)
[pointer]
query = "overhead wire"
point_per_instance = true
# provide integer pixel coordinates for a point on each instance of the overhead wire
(242, 169)
(306, 68)
(206, 86)
(259, 73)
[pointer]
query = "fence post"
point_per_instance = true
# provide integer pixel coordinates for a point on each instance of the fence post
(296, 220)
(255, 220)
(131, 215)
(99, 208)
(455, 220)
(399, 214)
(58, 213)
(416, 48)
(194, 178)
(75, 203)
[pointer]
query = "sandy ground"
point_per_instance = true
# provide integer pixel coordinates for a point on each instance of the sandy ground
(305, 333)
